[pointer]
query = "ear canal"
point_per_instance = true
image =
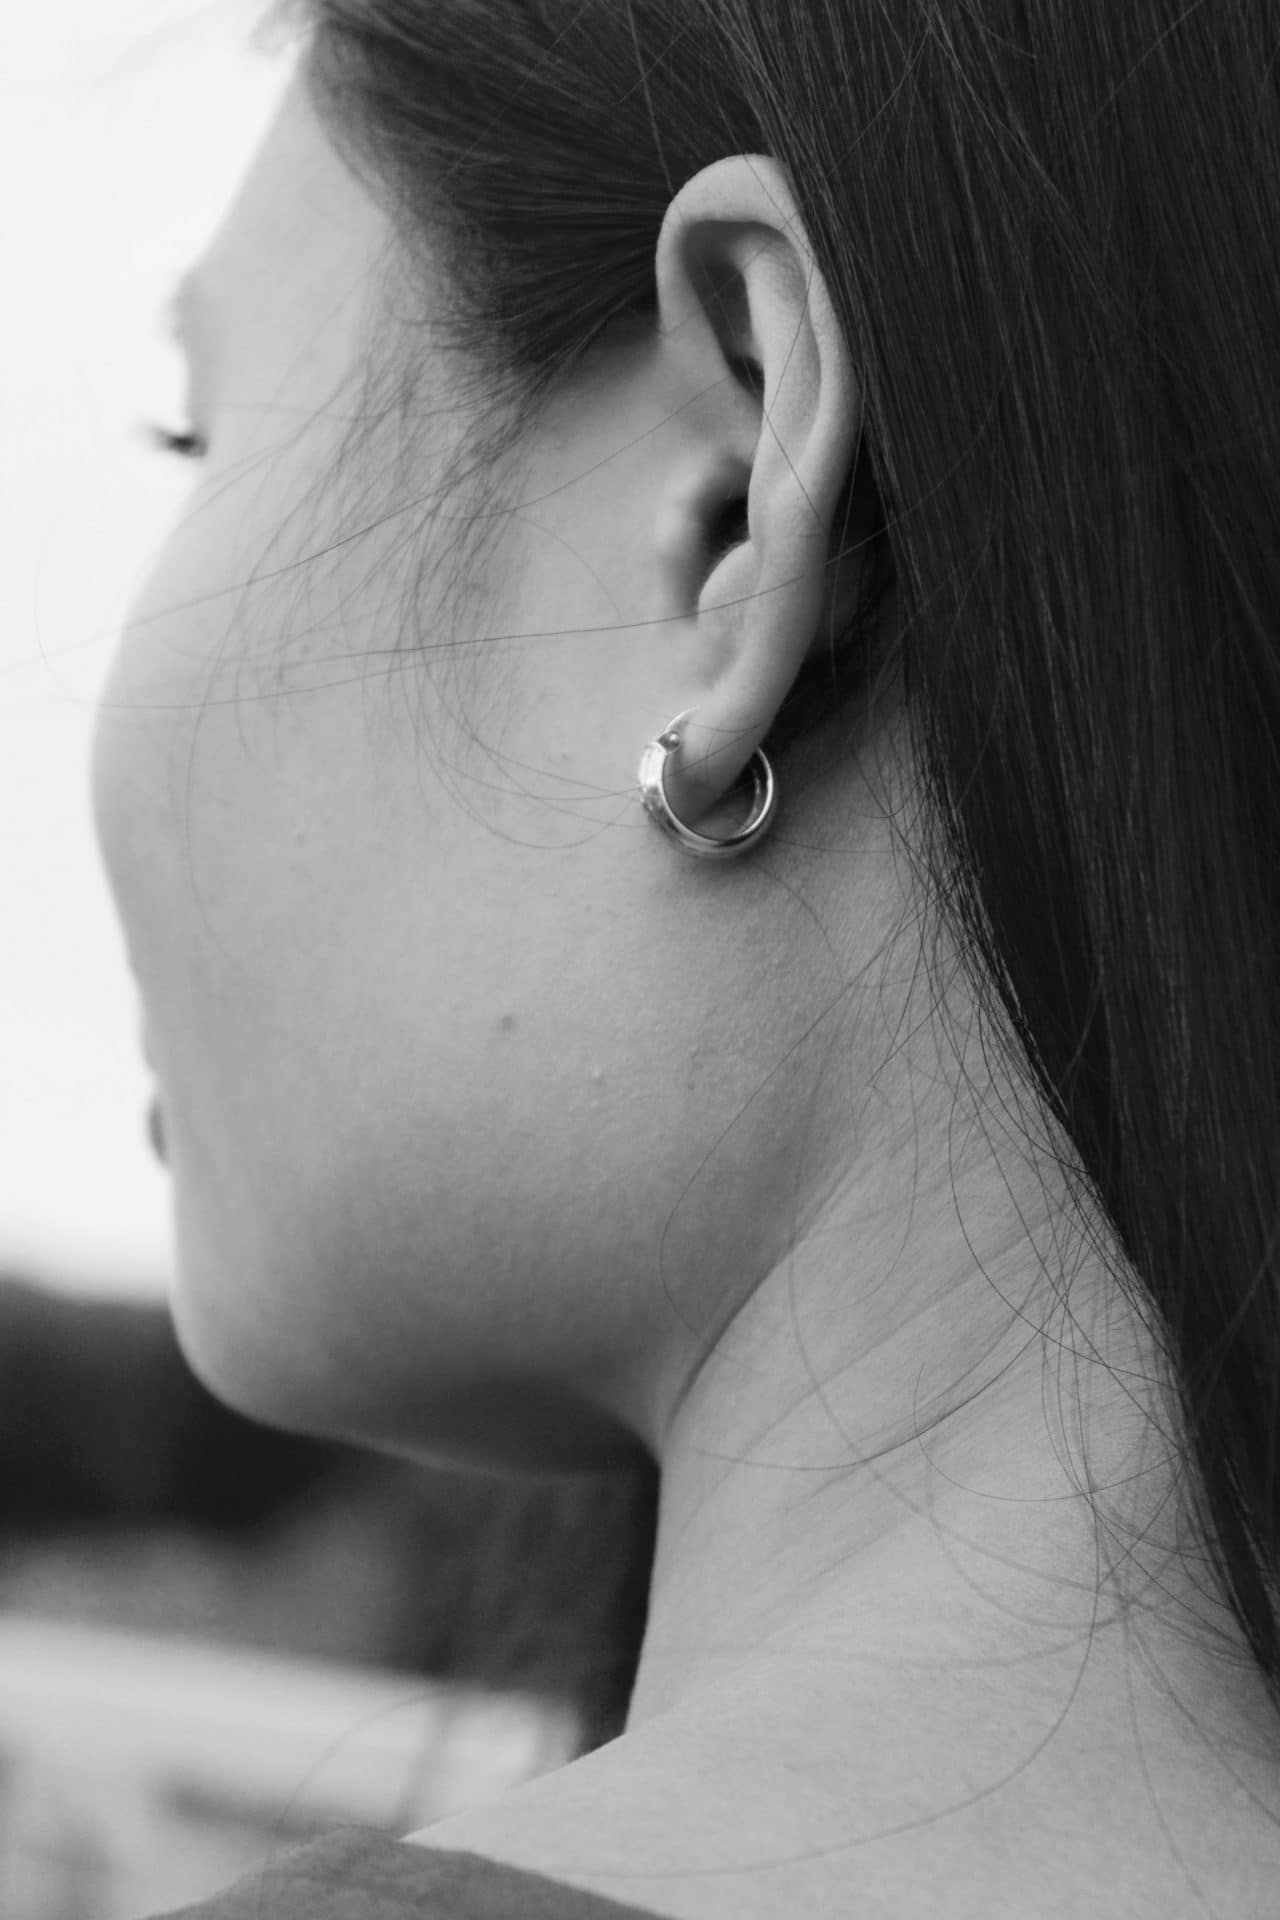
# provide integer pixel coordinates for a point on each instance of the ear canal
(748, 372)
(729, 529)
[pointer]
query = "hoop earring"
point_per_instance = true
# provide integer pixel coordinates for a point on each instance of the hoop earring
(653, 794)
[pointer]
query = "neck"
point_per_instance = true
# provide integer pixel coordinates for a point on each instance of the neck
(885, 1623)
(904, 1446)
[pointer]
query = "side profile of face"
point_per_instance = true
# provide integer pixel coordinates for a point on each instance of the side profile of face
(473, 1086)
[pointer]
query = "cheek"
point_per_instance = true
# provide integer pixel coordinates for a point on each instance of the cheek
(229, 855)
(211, 826)
(434, 1092)
(195, 765)
(301, 936)
(431, 1127)
(161, 800)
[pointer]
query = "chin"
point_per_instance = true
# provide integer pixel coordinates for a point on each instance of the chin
(238, 1350)
(501, 1423)
(230, 1364)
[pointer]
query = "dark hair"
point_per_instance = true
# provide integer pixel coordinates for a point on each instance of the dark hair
(1050, 234)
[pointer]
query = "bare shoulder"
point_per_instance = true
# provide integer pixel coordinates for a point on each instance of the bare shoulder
(700, 1827)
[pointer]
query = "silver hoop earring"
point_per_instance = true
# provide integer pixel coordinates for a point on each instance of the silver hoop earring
(653, 793)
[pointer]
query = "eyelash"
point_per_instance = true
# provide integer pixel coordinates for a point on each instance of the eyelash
(191, 445)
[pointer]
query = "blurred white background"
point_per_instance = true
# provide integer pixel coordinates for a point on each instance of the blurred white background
(124, 128)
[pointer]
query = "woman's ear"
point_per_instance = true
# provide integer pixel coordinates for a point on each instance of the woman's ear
(748, 324)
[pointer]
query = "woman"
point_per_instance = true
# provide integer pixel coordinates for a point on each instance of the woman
(694, 806)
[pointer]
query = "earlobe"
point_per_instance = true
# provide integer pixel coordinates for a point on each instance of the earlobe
(748, 323)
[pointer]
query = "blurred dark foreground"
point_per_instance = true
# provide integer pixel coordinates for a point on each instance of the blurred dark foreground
(217, 1639)
(130, 1496)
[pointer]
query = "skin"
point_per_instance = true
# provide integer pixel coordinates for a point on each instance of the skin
(499, 1129)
